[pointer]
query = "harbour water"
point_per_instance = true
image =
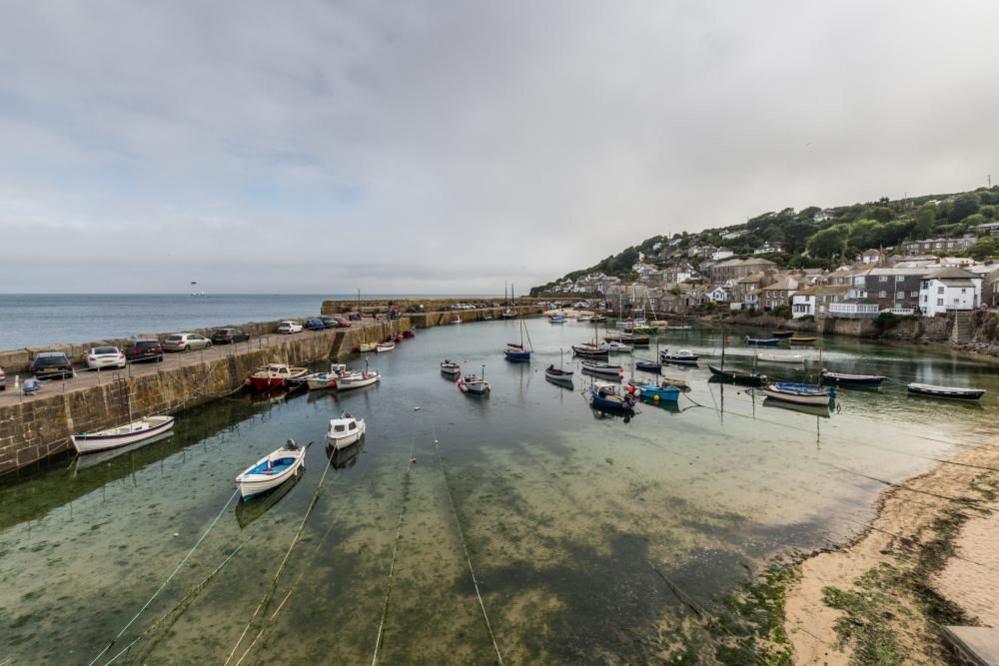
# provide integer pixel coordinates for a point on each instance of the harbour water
(569, 521)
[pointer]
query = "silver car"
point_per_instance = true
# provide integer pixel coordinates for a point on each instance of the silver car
(185, 342)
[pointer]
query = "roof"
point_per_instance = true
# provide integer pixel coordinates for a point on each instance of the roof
(783, 284)
(951, 274)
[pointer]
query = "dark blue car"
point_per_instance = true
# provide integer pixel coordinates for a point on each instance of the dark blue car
(315, 325)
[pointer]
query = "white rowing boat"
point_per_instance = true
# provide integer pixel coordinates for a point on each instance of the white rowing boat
(356, 380)
(271, 471)
(112, 438)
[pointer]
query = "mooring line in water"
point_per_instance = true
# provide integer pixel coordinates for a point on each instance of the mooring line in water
(464, 545)
(269, 594)
(395, 553)
(165, 582)
(182, 603)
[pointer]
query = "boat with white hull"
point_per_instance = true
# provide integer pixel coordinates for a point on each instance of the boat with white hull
(131, 433)
(272, 470)
(345, 431)
(356, 380)
(801, 394)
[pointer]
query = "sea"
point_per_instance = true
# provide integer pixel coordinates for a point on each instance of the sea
(35, 320)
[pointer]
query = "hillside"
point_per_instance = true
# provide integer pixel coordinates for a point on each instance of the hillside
(815, 237)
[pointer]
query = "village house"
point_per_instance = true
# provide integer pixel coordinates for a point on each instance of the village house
(733, 269)
(853, 308)
(949, 290)
(938, 245)
(721, 253)
(893, 289)
(823, 215)
(745, 290)
(678, 272)
(872, 257)
(815, 301)
(768, 248)
(778, 294)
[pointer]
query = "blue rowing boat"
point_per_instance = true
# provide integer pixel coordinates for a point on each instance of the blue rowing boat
(762, 342)
(665, 392)
(611, 402)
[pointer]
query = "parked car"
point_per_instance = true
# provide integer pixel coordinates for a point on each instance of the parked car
(342, 323)
(329, 321)
(186, 342)
(105, 357)
(3, 380)
(288, 327)
(144, 350)
(315, 324)
(51, 364)
(228, 336)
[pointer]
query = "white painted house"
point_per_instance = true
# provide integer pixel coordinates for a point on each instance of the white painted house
(949, 289)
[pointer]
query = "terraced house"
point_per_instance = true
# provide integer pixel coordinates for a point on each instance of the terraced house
(893, 289)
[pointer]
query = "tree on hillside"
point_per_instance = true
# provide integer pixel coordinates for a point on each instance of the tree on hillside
(881, 214)
(926, 218)
(865, 234)
(829, 242)
(963, 206)
(983, 249)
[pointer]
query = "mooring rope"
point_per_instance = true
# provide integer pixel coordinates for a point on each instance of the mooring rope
(165, 582)
(266, 599)
(395, 553)
(182, 603)
(464, 546)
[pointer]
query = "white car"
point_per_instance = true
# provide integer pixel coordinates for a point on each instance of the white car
(105, 357)
(289, 327)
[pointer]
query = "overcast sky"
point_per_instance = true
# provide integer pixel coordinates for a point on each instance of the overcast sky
(320, 147)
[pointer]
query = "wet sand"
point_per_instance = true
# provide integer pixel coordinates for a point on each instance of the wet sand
(938, 556)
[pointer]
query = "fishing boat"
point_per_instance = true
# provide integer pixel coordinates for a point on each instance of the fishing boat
(740, 377)
(344, 431)
(681, 357)
(382, 347)
(848, 380)
(603, 369)
(591, 350)
(662, 391)
(781, 358)
(605, 398)
(558, 375)
(619, 348)
(355, 380)
(130, 433)
(450, 368)
(781, 335)
(365, 347)
(318, 381)
(762, 342)
(474, 384)
(272, 470)
(556, 319)
(801, 394)
(649, 366)
(802, 341)
(954, 392)
(275, 375)
(411, 333)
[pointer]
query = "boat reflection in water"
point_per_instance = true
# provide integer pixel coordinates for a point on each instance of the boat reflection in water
(251, 509)
(824, 411)
(94, 459)
(346, 457)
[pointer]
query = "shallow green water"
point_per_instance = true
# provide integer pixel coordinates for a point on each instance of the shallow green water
(563, 514)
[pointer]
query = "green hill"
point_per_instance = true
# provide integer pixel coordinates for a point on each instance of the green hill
(814, 237)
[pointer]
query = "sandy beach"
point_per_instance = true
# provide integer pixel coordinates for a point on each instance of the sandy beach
(929, 559)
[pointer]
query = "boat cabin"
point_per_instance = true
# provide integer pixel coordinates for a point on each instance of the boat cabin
(278, 370)
(346, 424)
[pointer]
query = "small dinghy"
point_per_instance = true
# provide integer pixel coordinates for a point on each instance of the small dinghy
(681, 327)
(781, 335)
(682, 357)
(556, 319)
(365, 347)
(954, 392)
(356, 380)
(781, 358)
(558, 376)
(272, 470)
(382, 347)
(801, 394)
(855, 381)
(591, 350)
(131, 433)
(740, 377)
(318, 381)
(802, 341)
(762, 342)
(676, 381)
(649, 366)
(619, 348)
(345, 431)
(450, 368)
(603, 370)
(607, 399)
(658, 392)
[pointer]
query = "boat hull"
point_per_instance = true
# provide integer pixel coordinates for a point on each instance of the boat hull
(655, 368)
(321, 382)
(104, 440)
(737, 377)
(754, 342)
(817, 398)
(948, 392)
(350, 384)
(852, 381)
(256, 484)
(601, 403)
(517, 356)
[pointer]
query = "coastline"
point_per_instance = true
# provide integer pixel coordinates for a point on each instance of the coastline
(928, 559)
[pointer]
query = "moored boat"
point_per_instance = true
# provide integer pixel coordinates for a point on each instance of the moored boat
(409, 333)
(556, 319)
(130, 433)
(275, 375)
(272, 470)
(605, 398)
(851, 380)
(473, 384)
(954, 392)
(344, 431)
(677, 381)
(681, 357)
(802, 394)
(516, 353)
(762, 342)
(619, 348)
(603, 369)
(558, 375)
(318, 381)
(382, 347)
(802, 340)
(365, 347)
(662, 391)
(781, 358)
(356, 380)
(591, 350)
(740, 377)
(450, 368)
(649, 366)
(781, 335)
(680, 327)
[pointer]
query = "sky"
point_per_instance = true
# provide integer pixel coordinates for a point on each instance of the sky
(454, 146)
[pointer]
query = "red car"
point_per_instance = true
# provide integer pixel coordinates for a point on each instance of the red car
(342, 323)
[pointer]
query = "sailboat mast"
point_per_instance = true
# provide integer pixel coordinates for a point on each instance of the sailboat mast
(723, 349)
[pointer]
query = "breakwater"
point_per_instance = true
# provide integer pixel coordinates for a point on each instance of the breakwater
(35, 428)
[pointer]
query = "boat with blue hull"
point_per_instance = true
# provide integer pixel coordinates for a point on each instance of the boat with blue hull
(272, 470)
(663, 392)
(762, 342)
(606, 400)
(649, 366)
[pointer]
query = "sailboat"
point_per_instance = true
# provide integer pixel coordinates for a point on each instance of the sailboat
(740, 377)
(518, 353)
(559, 375)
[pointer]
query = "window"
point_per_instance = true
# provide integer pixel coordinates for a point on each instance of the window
(940, 290)
(883, 278)
(964, 291)
(899, 295)
(914, 294)
(882, 294)
(899, 278)
(939, 301)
